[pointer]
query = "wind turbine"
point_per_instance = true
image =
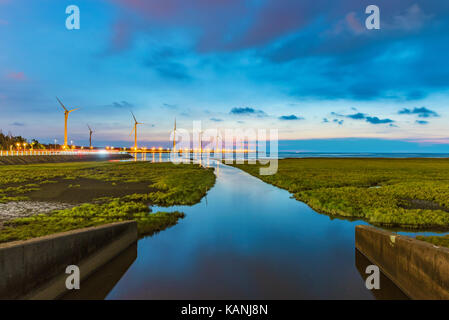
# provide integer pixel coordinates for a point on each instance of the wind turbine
(66, 116)
(200, 138)
(90, 136)
(135, 131)
(174, 138)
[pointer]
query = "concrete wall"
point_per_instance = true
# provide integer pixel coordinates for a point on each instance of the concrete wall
(388, 289)
(13, 160)
(35, 269)
(102, 281)
(419, 268)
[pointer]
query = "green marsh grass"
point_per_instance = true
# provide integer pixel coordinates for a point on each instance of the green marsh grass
(408, 193)
(162, 184)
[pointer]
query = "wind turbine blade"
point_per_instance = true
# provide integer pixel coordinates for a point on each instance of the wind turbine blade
(132, 132)
(89, 128)
(134, 117)
(61, 104)
(73, 110)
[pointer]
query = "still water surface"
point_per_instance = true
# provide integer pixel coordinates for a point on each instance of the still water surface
(245, 240)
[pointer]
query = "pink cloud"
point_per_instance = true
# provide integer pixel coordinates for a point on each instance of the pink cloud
(271, 21)
(17, 76)
(122, 35)
(228, 25)
(221, 24)
(153, 9)
(354, 23)
(181, 9)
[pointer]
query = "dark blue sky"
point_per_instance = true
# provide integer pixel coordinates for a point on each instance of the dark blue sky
(309, 68)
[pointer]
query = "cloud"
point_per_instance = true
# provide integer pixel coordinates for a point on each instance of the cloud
(216, 119)
(166, 62)
(367, 118)
(338, 121)
(354, 23)
(357, 116)
(232, 25)
(413, 19)
(422, 112)
(170, 106)
(170, 70)
(122, 105)
(325, 120)
(376, 120)
(17, 76)
(225, 25)
(271, 35)
(121, 37)
(363, 65)
(422, 122)
(248, 111)
(337, 114)
(18, 124)
(290, 117)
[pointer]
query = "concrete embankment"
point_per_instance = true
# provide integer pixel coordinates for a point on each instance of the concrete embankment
(418, 268)
(35, 269)
(101, 282)
(12, 160)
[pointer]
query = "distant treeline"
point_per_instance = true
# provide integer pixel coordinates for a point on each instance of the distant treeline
(8, 140)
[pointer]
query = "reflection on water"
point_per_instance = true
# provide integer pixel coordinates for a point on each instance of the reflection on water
(194, 157)
(248, 240)
(99, 284)
(388, 290)
(163, 156)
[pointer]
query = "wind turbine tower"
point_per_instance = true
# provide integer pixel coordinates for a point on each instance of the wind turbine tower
(90, 136)
(174, 138)
(135, 130)
(66, 117)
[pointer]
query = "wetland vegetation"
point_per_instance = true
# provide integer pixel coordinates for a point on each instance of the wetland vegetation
(406, 193)
(442, 241)
(101, 193)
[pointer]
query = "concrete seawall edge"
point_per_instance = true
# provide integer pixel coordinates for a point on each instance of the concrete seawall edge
(419, 268)
(35, 269)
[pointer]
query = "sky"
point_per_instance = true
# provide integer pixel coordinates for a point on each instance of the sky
(310, 69)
